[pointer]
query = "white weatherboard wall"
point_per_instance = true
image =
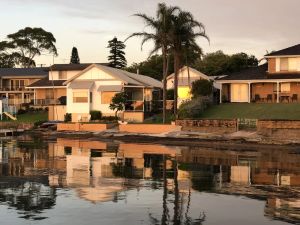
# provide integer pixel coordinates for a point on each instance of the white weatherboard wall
(100, 78)
(239, 92)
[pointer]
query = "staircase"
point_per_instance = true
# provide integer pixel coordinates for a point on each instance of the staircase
(10, 116)
(8, 110)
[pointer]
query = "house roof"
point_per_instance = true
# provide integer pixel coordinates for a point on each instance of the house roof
(185, 69)
(19, 72)
(259, 73)
(45, 82)
(70, 67)
(127, 77)
(116, 88)
(293, 50)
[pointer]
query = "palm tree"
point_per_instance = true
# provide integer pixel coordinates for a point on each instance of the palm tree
(185, 31)
(161, 26)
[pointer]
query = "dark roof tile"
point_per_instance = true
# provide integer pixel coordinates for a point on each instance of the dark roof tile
(45, 82)
(293, 50)
(64, 67)
(259, 73)
(36, 71)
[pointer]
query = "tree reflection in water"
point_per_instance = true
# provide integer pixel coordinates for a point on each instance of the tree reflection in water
(179, 217)
(29, 198)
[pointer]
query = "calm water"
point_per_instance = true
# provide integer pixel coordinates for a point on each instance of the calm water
(74, 182)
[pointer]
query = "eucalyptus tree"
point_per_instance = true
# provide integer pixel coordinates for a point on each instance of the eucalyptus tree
(27, 43)
(185, 31)
(161, 26)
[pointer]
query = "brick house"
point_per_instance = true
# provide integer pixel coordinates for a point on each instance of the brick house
(278, 80)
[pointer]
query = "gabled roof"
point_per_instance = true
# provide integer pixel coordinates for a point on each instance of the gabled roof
(19, 72)
(70, 67)
(259, 73)
(126, 77)
(45, 82)
(86, 84)
(293, 50)
(192, 70)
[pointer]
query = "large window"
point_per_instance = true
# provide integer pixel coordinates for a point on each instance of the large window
(284, 64)
(80, 97)
(106, 97)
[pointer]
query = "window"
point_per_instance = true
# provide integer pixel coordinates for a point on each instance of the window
(285, 87)
(49, 94)
(91, 97)
(62, 75)
(293, 64)
(80, 97)
(106, 97)
(284, 64)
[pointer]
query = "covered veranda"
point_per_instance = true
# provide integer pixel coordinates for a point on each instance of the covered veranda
(260, 91)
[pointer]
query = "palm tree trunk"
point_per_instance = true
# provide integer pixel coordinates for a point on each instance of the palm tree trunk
(164, 54)
(176, 70)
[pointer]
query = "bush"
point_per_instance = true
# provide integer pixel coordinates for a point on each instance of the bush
(39, 123)
(202, 88)
(21, 111)
(68, 117)
(96, 115)
(193, 108)
(109, 118)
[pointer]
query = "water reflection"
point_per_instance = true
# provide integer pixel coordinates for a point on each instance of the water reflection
(34, 171)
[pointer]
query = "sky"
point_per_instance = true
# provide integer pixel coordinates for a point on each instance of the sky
(233, 26)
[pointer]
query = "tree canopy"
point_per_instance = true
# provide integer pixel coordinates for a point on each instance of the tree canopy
(117, 55)
(74, 56)
(219, 63)
(151, 67)
(22, 47)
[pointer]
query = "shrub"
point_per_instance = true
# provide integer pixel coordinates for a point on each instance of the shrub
(68, 117)
(96, 115)
(109, 118)
(193, 108)
(21, 111)
(202, 88)
(39, 123)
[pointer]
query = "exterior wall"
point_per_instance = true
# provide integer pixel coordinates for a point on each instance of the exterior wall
(57, 112)
(148, 128)
(220, 126)
(262, 89)
(83, 127)
(84, 117)
(134, 116)
(272, 65)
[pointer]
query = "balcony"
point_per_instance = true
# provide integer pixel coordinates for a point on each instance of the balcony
(45, 102)
(14, 88)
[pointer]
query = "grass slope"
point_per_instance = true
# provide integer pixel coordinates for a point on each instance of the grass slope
(30, 117)
(253, 111)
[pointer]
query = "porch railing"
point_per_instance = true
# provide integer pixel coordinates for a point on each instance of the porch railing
(14, 88)
(44, 102)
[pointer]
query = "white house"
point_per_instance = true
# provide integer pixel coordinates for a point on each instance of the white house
(186, 77)
(94, 87)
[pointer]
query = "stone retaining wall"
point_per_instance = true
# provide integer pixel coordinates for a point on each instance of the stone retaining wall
(208, 125)
(92, 127)
(289, 129)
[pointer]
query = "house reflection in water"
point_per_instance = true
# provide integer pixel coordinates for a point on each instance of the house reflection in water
(104, 171)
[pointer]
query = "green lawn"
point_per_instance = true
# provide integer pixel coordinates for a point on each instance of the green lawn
(253, 111)
(31, 117)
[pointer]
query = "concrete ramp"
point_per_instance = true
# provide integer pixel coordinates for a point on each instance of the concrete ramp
(9, 115)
